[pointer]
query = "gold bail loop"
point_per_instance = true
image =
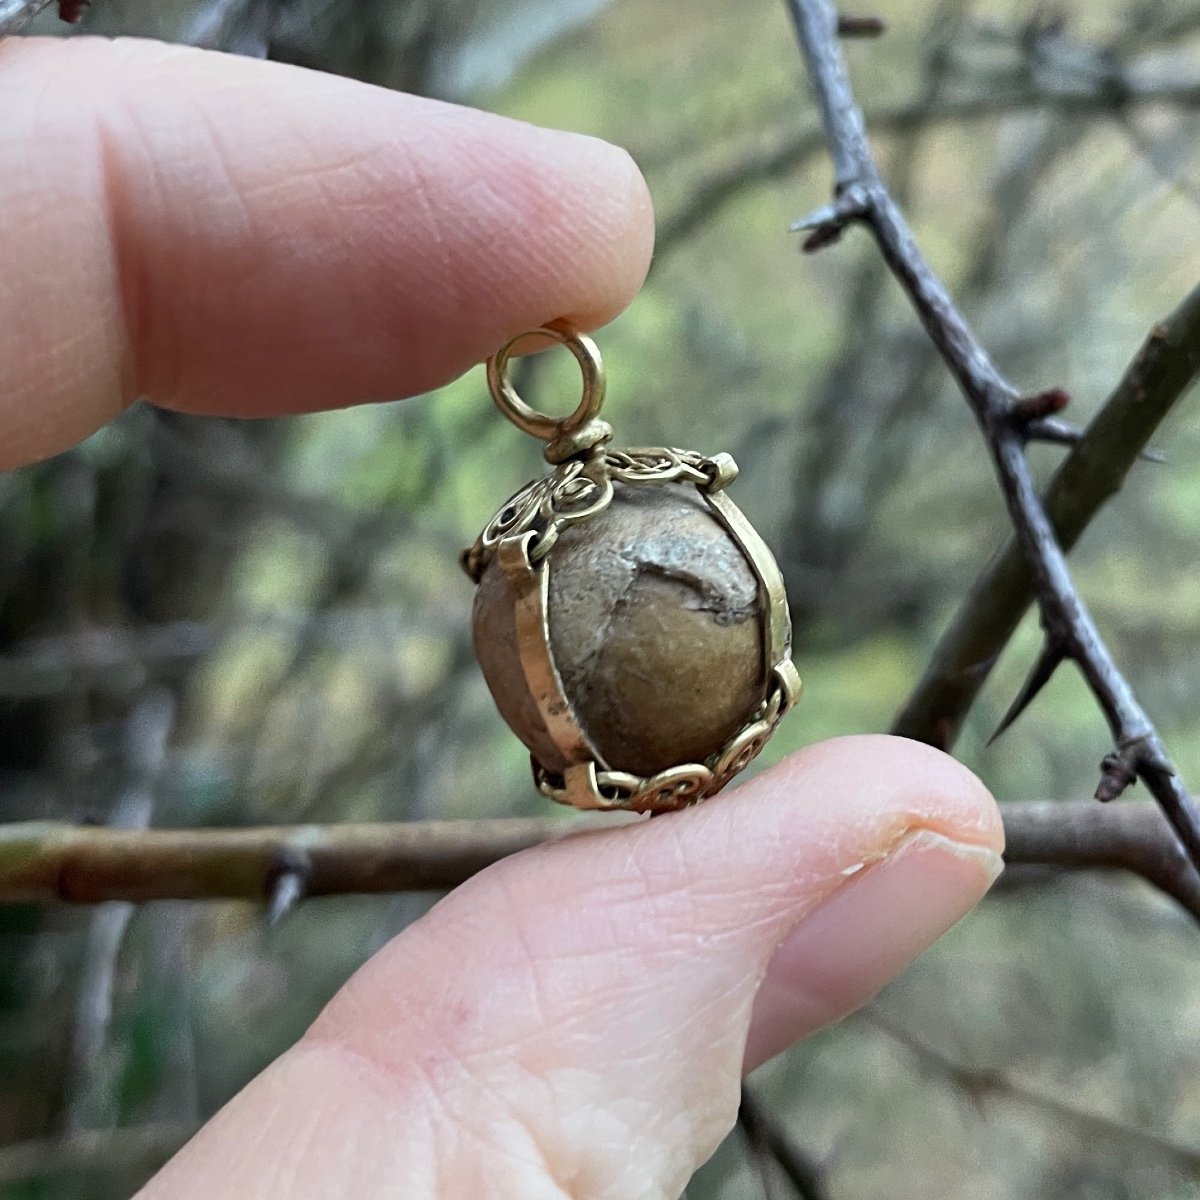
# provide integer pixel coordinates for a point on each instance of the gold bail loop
(567, 435)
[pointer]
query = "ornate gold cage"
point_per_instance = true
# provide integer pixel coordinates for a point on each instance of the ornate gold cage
(519, 539)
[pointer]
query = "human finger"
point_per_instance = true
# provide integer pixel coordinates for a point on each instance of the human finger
(244, 238)
(574, 1021)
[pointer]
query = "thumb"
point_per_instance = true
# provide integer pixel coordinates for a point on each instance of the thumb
(575, 1021)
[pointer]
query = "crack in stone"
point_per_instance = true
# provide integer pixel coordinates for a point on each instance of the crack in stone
(710, 598)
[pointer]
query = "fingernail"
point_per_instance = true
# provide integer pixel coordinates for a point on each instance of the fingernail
(840, 955)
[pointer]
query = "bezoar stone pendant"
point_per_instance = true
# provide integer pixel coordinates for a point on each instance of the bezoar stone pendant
(630, 623)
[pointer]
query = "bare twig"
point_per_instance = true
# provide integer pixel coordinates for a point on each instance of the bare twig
(45, 862)
(1075, 836)
(1160, 374)
(775, 161)
(42, 862)
(981, 1082)
(772, 1148)
(146, 1146)
(860, 196)
(16, 14)
(149, 728)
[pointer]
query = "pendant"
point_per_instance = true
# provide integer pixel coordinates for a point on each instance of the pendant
(631, 624)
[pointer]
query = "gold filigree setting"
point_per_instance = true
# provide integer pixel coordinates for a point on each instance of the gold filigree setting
(524, 531)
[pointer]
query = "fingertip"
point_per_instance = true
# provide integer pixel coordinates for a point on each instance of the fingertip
(864, 934)
(245, 238)
(903, 776)
(582, 244)
(934, 852)
(632, 245)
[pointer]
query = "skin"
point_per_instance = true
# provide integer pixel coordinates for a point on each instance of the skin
(233, 237)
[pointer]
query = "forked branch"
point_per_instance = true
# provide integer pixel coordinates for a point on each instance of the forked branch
(1161, 373)
(861, 197)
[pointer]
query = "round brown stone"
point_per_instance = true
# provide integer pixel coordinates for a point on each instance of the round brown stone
(656, 630)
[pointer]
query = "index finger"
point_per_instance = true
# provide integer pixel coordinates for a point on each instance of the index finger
(245, 238)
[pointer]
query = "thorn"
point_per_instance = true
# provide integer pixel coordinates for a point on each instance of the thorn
(1047, 429)
(1063, 433)
(1047, 663)
(287, 884)
(827, 223)
(286, 892)
(830, 214)
(860, 27)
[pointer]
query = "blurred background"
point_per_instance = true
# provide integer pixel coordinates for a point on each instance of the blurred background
(213, 622)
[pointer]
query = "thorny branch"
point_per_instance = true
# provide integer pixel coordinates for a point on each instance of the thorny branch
(979, 1083)
(773, 1150)
(861, 197)
(16, 14)
(149, 727)
(54, 861)
(1127, 837)
(1112, 89)
(145, 1147)
(1161, 373)
(49, 861)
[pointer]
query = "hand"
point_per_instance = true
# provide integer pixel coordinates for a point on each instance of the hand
(242, 238)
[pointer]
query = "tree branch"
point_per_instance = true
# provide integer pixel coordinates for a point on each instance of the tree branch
(980, 1082)
(1075, 836)
(45, 862)
(147, 1146)
(16, 14)
(54, 862)
(721, 185)
(772, 1148)
(860, 196)
(1161, 373)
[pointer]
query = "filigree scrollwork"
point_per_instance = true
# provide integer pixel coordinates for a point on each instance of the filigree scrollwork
(681, 786)
(574, 491)
(740, 753)
(516, 516)
(657, 464)
(664, 464)
(676, 787)
(580, 488)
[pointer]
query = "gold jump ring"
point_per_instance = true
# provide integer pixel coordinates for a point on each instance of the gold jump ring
(530, 420)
